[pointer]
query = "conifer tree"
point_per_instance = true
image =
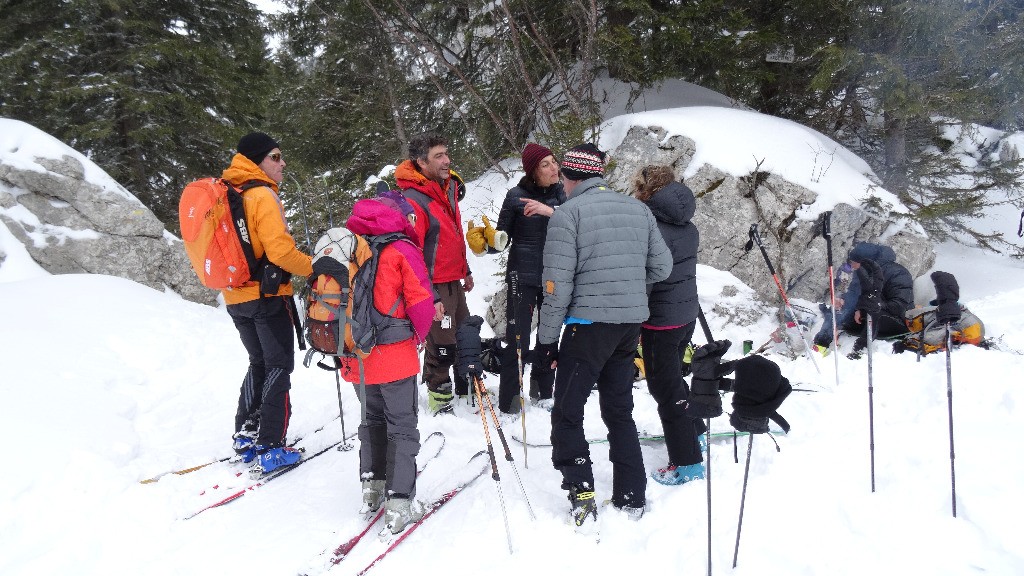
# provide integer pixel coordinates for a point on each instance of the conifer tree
(155, 92)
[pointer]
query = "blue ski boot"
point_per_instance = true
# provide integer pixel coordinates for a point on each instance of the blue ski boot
(676, 475)
(244, 446)
(270, 459)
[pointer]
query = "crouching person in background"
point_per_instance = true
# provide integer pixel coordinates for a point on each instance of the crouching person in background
(388, 435)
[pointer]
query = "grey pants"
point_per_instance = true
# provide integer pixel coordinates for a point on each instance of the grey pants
(389, 440)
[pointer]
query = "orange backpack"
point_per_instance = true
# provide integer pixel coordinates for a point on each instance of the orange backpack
(216, 236)
(341, 318)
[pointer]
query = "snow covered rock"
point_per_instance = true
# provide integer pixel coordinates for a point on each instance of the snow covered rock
(73, 218)
(742, 187)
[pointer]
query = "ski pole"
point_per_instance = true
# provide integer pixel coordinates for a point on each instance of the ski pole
(707, 472)
(826, 232)
(305, 220)
(494, 463)
(345, 445)
(514, 284)
(949, 398)
(504, 443)
(704, 325)
(743, 500)
(755, 237)
(330, 208)
(871, 400)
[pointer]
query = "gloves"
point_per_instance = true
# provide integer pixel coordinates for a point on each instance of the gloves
(545, 354)
(757, 394)
(476, 240)
(496, 239)
(871, 282)
(467, 339)
(947, 293)
(708, 370)
(749, 424)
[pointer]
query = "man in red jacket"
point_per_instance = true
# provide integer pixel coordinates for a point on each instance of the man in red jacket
(435, 191)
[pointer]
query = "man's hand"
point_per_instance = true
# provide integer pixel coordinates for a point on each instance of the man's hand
(438, 311)
(467, 284)
(547, 354)
(535, 207)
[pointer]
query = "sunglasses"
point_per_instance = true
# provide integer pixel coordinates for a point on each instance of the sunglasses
(275, 156)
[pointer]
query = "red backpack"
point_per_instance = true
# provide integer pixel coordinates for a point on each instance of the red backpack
(215, 232)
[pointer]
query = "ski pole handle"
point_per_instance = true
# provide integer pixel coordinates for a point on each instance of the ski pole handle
(704, 324)
(826, 233)
(755, 238)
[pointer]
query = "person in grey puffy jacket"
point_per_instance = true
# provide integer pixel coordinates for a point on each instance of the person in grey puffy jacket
(603, 249)
(665, 335)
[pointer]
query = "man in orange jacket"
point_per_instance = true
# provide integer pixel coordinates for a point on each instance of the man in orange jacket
(434, 191)
(263, 311)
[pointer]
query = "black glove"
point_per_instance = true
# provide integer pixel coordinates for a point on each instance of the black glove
(947, 294)
(749, 424)
(871, 282)
(757, 393)
(708, 371)
(545, 354)
(467, 338)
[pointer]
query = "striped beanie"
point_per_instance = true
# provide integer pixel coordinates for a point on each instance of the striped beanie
(582, 162)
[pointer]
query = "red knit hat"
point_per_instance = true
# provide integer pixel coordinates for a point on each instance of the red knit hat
(532, 155)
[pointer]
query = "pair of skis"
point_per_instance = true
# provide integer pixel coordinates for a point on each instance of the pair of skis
(643, 438)
(331, 558)
(231, 458)
(265, 479)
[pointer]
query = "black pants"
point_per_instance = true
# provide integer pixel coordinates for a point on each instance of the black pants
(266, 329)
(439, 351)
(519, 311)
(601, 353)
(885, 325)
(663, 364)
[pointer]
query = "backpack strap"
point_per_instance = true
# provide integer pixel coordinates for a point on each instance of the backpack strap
(433, 227)
(262, 268)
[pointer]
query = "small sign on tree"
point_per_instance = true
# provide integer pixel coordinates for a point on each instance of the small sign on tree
(783, 54)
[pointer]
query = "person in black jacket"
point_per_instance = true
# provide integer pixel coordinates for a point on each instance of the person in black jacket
(665, 335)
(892, 291)
(524, 217)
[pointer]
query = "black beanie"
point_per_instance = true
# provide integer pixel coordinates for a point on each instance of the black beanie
(582, 162)
(256, 145)
(759, 390)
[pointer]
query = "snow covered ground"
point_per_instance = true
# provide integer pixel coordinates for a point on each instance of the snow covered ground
(108, 383)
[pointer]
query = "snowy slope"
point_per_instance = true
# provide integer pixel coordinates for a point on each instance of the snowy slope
(107, 383)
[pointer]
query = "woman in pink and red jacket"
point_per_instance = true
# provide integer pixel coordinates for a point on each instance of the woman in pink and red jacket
(388, 434)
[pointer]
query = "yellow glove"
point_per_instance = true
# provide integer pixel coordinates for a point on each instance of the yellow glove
(476, 240)
(496, 239)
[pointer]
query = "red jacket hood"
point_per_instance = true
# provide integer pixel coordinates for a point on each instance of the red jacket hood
(407, 176)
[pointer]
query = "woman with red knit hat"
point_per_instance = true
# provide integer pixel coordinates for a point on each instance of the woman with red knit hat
(524, 217)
